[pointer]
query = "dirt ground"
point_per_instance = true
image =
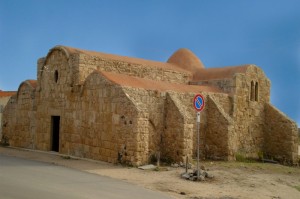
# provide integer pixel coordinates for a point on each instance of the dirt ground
(232, 179)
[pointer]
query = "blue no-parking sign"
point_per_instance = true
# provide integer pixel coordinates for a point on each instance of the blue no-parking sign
(199, 102)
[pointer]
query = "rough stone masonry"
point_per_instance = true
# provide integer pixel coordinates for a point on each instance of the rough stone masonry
(120, 109)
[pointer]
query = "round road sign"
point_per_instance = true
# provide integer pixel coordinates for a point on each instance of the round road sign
(199, 102)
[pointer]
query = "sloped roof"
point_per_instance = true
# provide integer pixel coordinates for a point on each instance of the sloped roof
(219, 73)
(7, 93)
(135, 82)
(183, 60)
(32, 82)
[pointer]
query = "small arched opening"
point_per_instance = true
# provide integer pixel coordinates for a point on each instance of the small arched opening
(256, 91)
(55, 76)
(252, 92)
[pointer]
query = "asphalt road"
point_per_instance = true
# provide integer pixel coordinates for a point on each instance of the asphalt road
(20, 178)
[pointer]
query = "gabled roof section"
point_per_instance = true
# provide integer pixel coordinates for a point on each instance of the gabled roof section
(149, 63)
(135, 82)
(219, 73)
(30, 82)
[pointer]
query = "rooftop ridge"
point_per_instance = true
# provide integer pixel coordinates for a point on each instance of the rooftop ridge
(132, 60)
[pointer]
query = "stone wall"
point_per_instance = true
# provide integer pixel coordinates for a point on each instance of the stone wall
(25, 124)
(219, 129)
(19, 124)
(227, 85)
(184, 102)
(88, 64)
(103, 120)
(106, 124)
(99, 120)
(3, 102)
(154, 103)
(54, 88)
(248, 114)
(177, 139)
(281, 141)
(9, 118)
(245, 107)
(180, 136)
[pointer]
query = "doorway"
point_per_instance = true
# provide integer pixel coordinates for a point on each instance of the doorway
(55, 121)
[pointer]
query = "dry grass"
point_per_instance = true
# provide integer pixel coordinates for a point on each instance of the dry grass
(297, 187)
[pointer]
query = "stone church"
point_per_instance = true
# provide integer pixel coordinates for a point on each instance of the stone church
(121, 109)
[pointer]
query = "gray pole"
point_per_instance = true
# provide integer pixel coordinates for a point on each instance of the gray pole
(198, 144)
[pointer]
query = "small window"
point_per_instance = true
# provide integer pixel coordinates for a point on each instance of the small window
(56, 76)
(256, 91)
(252, 91)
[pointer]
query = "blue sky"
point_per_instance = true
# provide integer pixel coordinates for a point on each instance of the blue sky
(219, 32)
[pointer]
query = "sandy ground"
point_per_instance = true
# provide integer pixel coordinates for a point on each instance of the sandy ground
(232, 179)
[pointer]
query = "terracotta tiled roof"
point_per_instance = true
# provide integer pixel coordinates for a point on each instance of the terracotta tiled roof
(219, 73)
(32, 82)
(183, 60)
(150, 63)
(136, 82)
(7, 93)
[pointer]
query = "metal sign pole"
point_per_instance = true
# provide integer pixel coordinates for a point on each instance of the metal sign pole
(198, 144)
(199, 106)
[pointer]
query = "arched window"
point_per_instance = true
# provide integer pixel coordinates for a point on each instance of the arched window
(252, 91)
(256, 91)
(56, 76)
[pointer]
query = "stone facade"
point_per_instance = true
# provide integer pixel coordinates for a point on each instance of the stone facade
(4, 97)
(121, 109)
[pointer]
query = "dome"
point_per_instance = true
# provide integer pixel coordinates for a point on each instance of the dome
(186, 59)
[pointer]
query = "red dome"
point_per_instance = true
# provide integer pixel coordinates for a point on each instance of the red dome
(187, 60)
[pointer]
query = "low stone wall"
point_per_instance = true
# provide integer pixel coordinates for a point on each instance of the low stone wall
(281, 140)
